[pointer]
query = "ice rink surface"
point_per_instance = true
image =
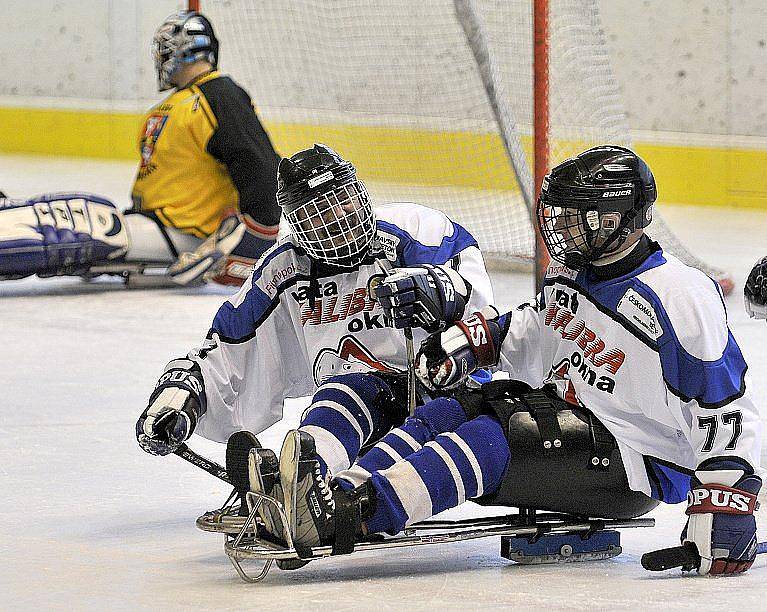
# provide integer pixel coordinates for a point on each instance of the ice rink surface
(88, 521)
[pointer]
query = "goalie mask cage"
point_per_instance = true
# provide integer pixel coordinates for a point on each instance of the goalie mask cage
(461, 105)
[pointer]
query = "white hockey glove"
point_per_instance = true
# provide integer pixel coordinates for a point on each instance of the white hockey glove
(427, 296)
(175, 405)
(446, 359)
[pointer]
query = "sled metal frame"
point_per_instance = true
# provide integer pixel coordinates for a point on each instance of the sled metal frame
(528, 523)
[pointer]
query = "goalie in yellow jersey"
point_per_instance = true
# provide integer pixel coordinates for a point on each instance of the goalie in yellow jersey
(204, 205)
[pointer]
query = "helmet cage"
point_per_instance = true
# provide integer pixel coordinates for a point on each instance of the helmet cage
(335, 226)
(580, 224)
(184, 37)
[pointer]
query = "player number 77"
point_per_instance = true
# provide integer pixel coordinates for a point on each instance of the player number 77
(710, 423)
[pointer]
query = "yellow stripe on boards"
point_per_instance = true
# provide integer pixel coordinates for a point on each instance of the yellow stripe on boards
(711, 176)
(69, 132)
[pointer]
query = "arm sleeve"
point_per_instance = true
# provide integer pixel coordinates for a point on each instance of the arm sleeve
(252, 360)
(520, 350)
(706, 374)
(243, 146)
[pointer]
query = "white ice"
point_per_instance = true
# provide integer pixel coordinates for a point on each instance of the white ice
(88, 521)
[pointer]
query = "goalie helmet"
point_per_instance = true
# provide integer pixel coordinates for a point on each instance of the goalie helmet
(589, 204)
(183, 38)
(328, 209)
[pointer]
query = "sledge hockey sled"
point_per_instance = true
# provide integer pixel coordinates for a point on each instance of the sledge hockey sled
(527, 537)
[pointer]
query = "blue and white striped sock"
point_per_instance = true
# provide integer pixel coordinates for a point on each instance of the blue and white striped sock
(452, 468)
(438, 416)
(341, 417)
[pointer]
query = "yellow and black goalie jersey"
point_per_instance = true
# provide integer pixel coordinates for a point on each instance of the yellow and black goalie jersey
(203, 150)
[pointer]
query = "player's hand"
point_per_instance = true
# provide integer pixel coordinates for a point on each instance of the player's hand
(446, 359)
(721, 524)
(755, 291)
(173, 410)
(426, 296)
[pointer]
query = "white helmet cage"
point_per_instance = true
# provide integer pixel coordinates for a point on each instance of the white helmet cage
(327, 207)
(183, 38)
(337, 226)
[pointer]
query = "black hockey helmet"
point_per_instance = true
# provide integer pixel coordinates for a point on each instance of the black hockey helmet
(589, 204)
(327, 207)
(183, 38)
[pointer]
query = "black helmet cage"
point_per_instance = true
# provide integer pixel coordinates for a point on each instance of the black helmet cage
(183, 38)
(327, 207)
(583, 214)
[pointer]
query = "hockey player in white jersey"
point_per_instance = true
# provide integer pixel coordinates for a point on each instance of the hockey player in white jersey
(307, 316)
(627, 342)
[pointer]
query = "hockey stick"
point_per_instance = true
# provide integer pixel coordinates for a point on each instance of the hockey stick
(686, 557)
(411, 381)
(211, 467)
(385, 266)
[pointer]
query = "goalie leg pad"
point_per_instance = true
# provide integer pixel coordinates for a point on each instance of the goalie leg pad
(570, 450)
(61, 233)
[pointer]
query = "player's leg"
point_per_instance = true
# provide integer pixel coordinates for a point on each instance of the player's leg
(154, 243)
(454, 467)
(428, 421)
(446, 471)
(345, 412)
(228, 255)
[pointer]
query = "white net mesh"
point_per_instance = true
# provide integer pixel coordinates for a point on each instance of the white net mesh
(431, 100)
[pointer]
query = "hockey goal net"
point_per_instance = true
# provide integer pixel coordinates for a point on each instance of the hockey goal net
(433, 100)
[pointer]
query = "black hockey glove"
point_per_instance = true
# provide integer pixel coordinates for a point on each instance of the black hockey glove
(755, 291)
(431, 297)
(175, 405)
(721, 523)
(446, 359)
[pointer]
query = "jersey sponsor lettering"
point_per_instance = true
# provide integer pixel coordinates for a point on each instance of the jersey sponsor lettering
(641, 313)
(270, 288)
(330, 307)
(389, 243)
(593, 348)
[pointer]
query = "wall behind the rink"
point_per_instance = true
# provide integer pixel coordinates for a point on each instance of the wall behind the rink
(76, 75)
(694, 79)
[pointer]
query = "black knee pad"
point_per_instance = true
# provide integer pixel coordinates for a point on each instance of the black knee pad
(563, 459)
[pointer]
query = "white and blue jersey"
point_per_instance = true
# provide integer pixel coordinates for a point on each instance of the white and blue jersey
(277, 338)
(651, 355)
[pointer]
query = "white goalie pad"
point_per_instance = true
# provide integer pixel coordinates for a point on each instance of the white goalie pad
(60, 233)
